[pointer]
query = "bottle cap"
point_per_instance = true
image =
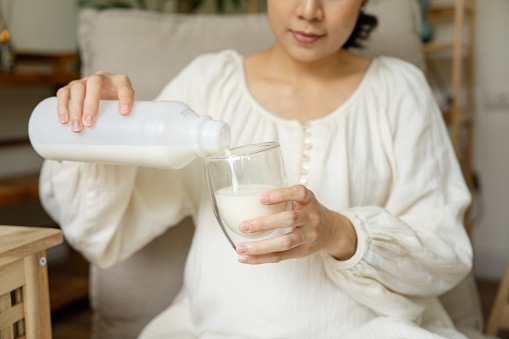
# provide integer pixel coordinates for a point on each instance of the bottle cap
(214, 138)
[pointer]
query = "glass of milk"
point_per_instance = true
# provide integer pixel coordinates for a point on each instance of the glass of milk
(237, 179)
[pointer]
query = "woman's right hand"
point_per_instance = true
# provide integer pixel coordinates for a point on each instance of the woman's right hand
(78, 102)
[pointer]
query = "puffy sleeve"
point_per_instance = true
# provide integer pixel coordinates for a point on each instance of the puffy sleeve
(109, 212)
(415, 246)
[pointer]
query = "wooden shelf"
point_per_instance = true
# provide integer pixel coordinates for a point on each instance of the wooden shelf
(25, 78)
(442, 9)
(437, 46)
(19, 189)
(462, 119)
(459, 118)
(38, 69)
(14, 142)
(442, 46)
(51, 69)
(449, 9)
(464, 7)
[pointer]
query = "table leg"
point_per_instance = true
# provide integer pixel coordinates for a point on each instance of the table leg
(36, 298)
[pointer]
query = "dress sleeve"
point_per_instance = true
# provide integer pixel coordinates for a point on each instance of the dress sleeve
(109, 212)
(415, 246)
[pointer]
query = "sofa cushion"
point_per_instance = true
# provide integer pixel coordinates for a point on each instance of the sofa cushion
(153, 47)
(125, 297)
(398, 31)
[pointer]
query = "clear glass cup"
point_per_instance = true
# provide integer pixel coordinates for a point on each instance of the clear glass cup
(236, 182)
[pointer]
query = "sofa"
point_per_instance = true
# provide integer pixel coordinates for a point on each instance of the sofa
(151, 48)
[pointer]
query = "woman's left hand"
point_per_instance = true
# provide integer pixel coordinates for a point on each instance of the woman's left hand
(315, 228)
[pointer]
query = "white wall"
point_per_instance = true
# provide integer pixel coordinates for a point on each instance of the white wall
(491, 132)
(44, 25)
(491, 153)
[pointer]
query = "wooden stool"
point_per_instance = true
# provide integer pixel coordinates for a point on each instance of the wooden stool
(24, 297)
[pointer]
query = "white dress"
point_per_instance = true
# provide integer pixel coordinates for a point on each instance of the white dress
(383, 159)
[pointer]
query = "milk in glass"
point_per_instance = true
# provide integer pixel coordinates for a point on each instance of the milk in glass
(242, 203)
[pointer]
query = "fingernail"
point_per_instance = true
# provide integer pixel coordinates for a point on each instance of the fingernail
(245, 226)
(125, 109)
(62, 118)
(265, 198)
(242, 259)
(89, 120)
(76, 125)
(241, 249)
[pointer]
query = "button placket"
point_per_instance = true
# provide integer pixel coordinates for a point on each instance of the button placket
(306, 154)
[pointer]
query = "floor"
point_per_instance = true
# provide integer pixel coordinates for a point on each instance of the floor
(68, 288)
(487, 292)
(73, 321)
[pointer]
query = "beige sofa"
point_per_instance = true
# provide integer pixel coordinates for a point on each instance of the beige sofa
(151, 48)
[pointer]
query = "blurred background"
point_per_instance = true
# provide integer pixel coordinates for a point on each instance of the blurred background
(42, 37)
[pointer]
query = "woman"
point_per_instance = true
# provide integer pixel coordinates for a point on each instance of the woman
(377, 206)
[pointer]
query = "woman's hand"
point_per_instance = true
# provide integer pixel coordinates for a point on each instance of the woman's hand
(78, 102)
(315, 228)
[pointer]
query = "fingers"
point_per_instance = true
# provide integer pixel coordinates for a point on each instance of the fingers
(63, 97)
(70, 104)
(306, 218)
(289, 246)
(271, 258)
(94, 86)
(279, 244)
(298, 193)
(279, 220)
(78, 102)
(76, 105)
(125, 93)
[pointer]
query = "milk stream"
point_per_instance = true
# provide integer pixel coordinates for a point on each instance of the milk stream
(235, 182)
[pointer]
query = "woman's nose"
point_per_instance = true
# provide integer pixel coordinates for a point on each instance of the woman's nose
(310, 10)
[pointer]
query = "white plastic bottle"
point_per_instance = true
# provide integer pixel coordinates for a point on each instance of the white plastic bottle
(159, 134)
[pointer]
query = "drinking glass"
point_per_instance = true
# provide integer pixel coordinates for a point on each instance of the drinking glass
(236, 181)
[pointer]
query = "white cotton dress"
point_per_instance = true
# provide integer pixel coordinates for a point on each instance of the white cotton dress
(383, 159)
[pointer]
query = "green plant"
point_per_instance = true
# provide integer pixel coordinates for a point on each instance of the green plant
(106, 4)
(187, 6)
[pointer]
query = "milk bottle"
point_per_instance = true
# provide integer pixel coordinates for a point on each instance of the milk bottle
(159, 134)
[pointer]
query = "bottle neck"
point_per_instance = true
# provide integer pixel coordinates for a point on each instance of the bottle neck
(212, 137)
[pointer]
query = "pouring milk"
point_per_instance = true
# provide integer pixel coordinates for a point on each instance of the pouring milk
(158, 134)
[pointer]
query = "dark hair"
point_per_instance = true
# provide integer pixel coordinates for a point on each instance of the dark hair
(365, 24)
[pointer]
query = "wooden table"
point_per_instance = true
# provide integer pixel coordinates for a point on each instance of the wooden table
(24, 297)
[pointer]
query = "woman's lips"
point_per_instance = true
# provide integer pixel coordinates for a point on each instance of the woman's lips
(305, 38)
